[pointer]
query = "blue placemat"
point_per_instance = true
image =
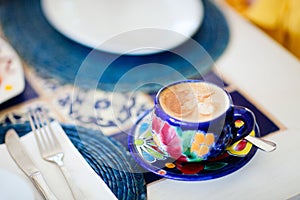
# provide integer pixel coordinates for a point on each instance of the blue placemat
(51, 53)
(107, 158)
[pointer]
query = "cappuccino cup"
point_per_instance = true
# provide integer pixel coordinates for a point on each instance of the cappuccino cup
(193, 120)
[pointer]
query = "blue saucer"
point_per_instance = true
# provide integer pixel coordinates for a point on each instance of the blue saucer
(54, 55)
(147, 154)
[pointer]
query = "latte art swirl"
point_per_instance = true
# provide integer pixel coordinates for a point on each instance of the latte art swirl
(194, 101)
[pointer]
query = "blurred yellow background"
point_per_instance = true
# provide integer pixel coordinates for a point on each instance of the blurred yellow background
(279, 18)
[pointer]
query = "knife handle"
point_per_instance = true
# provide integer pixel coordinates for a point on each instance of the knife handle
(40, 183)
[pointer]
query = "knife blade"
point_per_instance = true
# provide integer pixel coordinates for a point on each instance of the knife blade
(25, 163)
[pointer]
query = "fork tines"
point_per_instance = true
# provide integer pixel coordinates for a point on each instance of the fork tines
(41, 128)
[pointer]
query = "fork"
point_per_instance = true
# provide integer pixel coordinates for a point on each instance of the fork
(50, 149)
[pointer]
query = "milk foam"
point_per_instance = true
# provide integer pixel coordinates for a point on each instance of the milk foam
(194, 101)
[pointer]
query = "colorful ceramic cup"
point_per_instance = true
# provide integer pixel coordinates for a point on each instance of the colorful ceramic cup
(194, 120)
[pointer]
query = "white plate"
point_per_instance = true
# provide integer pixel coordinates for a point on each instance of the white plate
(14, 187)
(12, 80)
(110, 25)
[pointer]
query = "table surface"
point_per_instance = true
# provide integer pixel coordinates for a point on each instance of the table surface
(268, 75)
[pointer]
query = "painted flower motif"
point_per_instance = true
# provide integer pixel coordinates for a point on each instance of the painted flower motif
(201, 144)
(189, 168)
(171, 142)
(242, 147)
(198, 167)
(157, 123)
(146, 146)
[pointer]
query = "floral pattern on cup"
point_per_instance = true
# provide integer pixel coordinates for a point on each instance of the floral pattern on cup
(201, 143)
(174, 141)
(169, 139)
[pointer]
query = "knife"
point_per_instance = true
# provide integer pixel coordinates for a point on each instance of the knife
(22, 159)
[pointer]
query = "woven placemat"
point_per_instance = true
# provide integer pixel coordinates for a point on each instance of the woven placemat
(48, 51)
(106, 157)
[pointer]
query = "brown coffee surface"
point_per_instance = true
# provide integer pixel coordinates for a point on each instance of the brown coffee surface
(194, 101)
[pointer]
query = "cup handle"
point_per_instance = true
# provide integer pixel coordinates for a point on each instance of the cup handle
(248, 118)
